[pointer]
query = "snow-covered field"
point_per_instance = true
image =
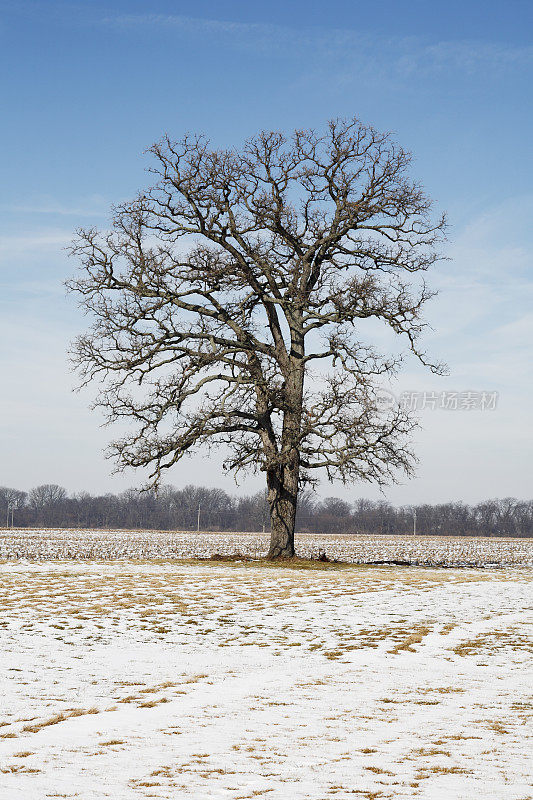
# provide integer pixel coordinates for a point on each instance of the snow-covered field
(423, 550)
(125, 679)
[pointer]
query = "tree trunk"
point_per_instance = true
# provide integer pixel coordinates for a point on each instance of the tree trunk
(282, 498)
(283, 480)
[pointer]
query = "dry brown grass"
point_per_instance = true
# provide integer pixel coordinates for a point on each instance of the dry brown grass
(414, 638)
(61, 717)
(438, 770)
(497, 727)
(157, 688)
(493, 642)
(153, 703)
(426, 752)
(449, 626)
(91, 596)
(18, 769)
(379, 771)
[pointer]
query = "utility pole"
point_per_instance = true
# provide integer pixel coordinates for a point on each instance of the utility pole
(414, 522)
(198, 520)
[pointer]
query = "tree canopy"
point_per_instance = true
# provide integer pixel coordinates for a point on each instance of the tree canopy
(229, 300)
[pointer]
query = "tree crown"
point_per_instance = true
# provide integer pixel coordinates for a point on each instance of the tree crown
(241, 274)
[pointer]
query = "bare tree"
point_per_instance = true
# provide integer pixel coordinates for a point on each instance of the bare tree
(46, 496)
(48, 503)
(11, 500)
(228, 301)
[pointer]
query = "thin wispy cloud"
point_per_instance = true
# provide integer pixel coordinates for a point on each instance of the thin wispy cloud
(471, 54)
(94, 206)
(34, 288)
(33, 241)
(404, 54)
(202, 25)
(191, 24)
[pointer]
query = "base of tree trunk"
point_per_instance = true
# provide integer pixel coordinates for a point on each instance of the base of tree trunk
(281, 542)
(282, 497)
(277, 552)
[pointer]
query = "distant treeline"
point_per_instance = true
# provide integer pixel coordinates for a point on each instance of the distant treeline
(213, 509)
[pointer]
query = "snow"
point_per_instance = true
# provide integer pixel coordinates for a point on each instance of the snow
(41, 544)
(215, 680)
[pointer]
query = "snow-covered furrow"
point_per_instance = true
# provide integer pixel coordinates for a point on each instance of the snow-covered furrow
(169, 680)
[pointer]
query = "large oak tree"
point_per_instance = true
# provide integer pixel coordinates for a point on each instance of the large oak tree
(229, 302)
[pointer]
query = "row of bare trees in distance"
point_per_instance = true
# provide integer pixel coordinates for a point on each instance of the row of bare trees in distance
(192, 507)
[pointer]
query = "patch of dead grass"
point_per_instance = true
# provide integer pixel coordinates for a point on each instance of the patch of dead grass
(153, 703)
(18, 769)
(379, 771)
(61, 717)
(426, 752)
(157, 688)
(420, 632)
(493, 642)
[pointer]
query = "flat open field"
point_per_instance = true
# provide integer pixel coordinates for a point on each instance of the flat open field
(150, 678)
(423, 550)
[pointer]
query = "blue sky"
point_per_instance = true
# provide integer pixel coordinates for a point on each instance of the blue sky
(88, 86)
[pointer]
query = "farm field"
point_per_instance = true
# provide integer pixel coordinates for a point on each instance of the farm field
(77, 544)
(144, 677)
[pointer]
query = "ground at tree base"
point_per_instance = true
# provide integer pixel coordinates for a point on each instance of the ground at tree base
(127, 679)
